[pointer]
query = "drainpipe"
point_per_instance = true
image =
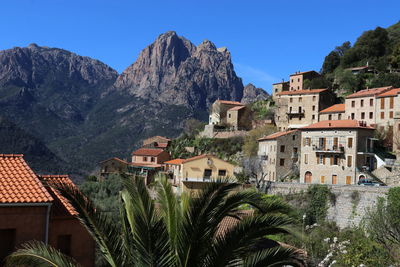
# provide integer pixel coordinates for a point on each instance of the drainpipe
(47, 223)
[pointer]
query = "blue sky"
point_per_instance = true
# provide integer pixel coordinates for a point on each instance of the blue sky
(268, 40)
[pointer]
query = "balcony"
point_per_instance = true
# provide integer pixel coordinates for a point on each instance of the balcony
(333, 150)
(295, 113)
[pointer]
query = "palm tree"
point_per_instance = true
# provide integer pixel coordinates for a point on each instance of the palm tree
(168, 231)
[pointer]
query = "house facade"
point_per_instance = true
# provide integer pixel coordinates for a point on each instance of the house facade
(297, 79)
(113, 166)
(219, 111)
(279, 153)
(29, 210)
(299, 108)
(146, 162)
(334, 112)
(337, 152)
(157, 142)
(279, 87)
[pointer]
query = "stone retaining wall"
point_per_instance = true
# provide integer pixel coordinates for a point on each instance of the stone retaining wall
(350, 202)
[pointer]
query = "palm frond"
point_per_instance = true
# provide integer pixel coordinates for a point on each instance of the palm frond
(35, 253)
(278, 256)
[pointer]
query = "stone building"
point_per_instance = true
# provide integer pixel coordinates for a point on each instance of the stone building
(147, 162)
(157, 142)
(279, 87)
(387, 103)
(219, 111)
(31, 210)
(297, 79)
(337, 152)
(279, 153)
(335, 112)
(362, 105)
(113, 166)
(296, 109)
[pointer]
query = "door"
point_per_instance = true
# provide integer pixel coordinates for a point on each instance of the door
(348, 179)
(308, 178)
(207, 174)
(334, 179)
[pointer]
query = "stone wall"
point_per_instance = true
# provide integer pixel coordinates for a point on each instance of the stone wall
(348, 205)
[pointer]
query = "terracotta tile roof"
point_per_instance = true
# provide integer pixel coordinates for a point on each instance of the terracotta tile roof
(304, 72)
(229, 222)
(392, 92)
(276, 135)
(302, 92)
(147, 152)
(338, 108)
(117, 159)
(175, 161)
(162, 145)
(236, 108)
(61, 204)
(230, 102)
(337, 124)
(370, 92)
(18, 183)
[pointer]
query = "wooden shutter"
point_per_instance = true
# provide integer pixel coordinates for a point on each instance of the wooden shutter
(331, 159)
(334, 179)
(350, 142)
(391, 102)
(304, 141)
(323, 159)
(348, 179)
(382, 103)
(322, 179)
(349, 161)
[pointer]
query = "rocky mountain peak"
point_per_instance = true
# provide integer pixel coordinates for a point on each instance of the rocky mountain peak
(172, 70)
(252, 94)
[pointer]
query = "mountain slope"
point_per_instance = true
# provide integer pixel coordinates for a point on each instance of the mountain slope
(252, 94)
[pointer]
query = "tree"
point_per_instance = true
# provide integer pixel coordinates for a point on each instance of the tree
(250, 145)
(331, 62)
(193, 127)
(253, 168)
(178, 233)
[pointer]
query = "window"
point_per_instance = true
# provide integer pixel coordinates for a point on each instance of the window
(362, 115)
(298, 87)
(314, 98)
(382, 103)
(349, 161)
(221, 172)
(282, 148)
(152, 159)
(371, 115)
(144, 158)
(306, 141)
(305, 158)
(335, 160)
(298, 79)
(7, 243)
(362, 102)
(339, 116)
(313, 117)
(300, 99)
(321, 159)
(371, 102)
(313, 108)
(391, 114)
(229, 115)
(350, 142)
(293, 137)
(391, 105)
(353, 104)
(292, 80)
(64, 244)
(322, 179)
(352, 116)
(382, 115)
(207, 173)
(330, 117)
(291, 100)
(281, 162)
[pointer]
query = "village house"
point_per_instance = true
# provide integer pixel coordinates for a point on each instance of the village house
(387, 104)
(173, 168)
(279, 153)
(297, 79)
(335, 112)
(113, 166)
(157, 142)
(30, 210)
(362, 105)
(147, 162)
(296, 109)
(223, 112)
(279, 87)
(337, 152)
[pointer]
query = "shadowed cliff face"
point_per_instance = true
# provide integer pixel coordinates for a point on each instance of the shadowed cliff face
(252, 93)
(172, 70)
(83, 111)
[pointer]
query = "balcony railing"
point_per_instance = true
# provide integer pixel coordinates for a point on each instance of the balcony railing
(295, 113)
(295, 155)
(334, 149)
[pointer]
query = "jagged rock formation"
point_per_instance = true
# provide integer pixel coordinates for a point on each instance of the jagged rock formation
(172, 70)
(252, 94)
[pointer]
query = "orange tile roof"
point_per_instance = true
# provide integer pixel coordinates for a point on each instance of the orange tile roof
(147, 152)
(18, 183)
(236, 108)
(304, 72)
(370, 92)
(392, 92)
(276, 135)
(162, 145)
(334, 109)
(337, 124)
(117, 159)
(61, 204)
(302, 92)
(175, 161)
(230, 102)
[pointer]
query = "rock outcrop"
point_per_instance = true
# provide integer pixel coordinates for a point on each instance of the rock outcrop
(172, 70)
(252, 94)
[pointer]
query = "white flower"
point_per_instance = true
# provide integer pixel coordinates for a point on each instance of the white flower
(327, 240)
(335, 239)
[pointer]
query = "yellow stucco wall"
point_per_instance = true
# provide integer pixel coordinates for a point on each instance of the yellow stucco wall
(195, 168)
